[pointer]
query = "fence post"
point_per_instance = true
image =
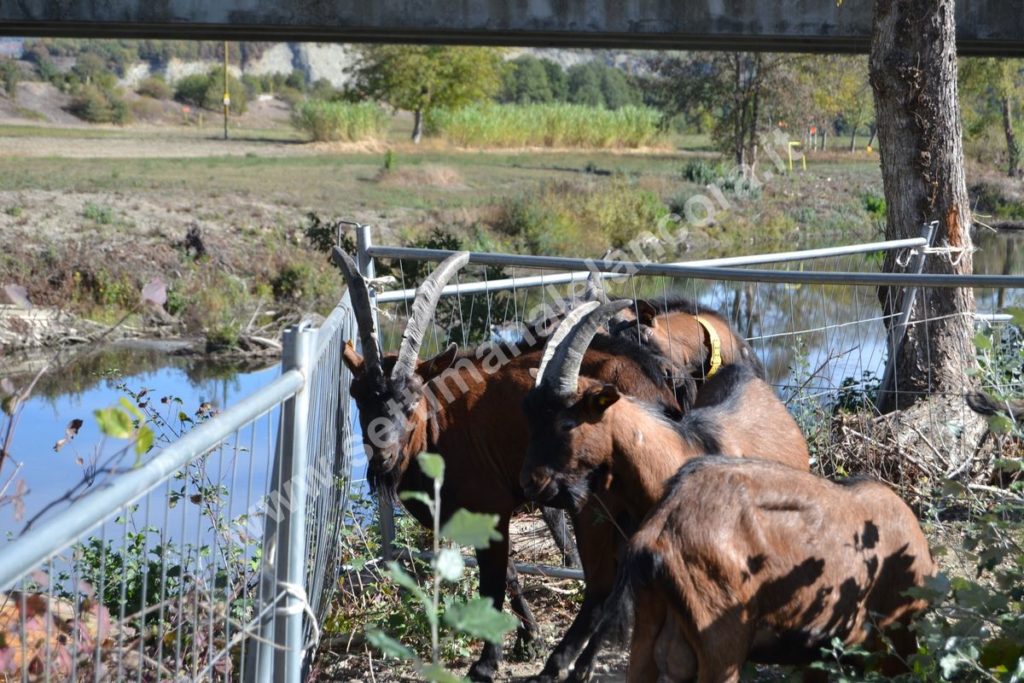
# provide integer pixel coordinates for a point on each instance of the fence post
(364, 240)
(278, 654)
(898, 329)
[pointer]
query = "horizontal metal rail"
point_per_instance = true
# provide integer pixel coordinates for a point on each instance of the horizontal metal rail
(546, 570)
(56, 533)
(708, 273)
(565, 278)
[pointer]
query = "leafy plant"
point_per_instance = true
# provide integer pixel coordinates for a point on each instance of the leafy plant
(477, 617)
(155, 87)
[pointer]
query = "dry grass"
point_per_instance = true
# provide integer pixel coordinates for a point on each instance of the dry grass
(429, 175)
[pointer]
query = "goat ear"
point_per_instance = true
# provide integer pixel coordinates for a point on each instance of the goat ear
(596, 400)
(438, 363)
(646, 312)
(352, 359)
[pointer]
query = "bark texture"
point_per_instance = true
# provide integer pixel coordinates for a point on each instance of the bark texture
(914, 78)
(1012, 146)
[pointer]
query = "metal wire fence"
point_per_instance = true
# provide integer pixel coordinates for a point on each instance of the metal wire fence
(217, 557)
(214, 558)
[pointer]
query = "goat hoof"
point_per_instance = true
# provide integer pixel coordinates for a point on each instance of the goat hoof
(527, 648)
(580, 676)
(548, 677)
(482, 673)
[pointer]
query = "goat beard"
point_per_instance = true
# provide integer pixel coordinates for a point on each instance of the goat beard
(385, 479)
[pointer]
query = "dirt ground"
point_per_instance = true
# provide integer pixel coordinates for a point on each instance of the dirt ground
(553, 601)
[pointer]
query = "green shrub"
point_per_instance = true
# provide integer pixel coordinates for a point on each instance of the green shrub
(10, 74)
(701, 172)
(875, 206)
(207, 91)
(213, 98)
(573, 218)
(95, 105)
(104, 215)
(332, 121)
(155, 87)
(545, 125)
(192, 89)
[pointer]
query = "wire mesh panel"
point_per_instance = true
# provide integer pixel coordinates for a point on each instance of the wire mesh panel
(826, 346)
(173, 569)
(159, 587)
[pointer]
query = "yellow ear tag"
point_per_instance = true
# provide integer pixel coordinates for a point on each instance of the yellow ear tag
(716, 346)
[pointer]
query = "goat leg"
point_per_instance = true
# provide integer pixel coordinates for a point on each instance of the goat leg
(597, 542)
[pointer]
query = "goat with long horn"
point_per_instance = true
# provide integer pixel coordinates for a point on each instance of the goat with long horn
(589, 440)
(466, 406)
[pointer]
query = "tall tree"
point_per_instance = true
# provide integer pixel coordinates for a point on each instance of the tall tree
(417, 78)
(996, 87)
(914, 76)
(743, 91)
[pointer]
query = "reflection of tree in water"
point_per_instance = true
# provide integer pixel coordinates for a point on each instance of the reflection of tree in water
(78, 370)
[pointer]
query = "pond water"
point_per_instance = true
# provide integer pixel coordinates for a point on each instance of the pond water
(831, 333)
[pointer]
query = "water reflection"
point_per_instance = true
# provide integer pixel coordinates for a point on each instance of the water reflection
(94, 380)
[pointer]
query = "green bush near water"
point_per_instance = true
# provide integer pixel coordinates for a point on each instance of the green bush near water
(333, 121)
(579, 218)
(545, 125)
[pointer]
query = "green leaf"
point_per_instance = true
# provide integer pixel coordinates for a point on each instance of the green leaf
(1000, 424)
(982, 342)
(131, 408)
(1017, 314)
(432, 465)
(479, 619)
(1001, 652)
(435, 673)
(407, 582)
(114, 422)
(471, 528)
(417, 495)
(450, 564)
(388, 646)
(144, 441)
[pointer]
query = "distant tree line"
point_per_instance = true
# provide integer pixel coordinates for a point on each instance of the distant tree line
(531, 80)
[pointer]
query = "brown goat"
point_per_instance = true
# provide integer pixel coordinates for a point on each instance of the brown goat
(749, 559)
(589, 441)
(466, 407)
(697, 339)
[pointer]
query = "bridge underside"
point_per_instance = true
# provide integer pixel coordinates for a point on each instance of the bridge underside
(993, 27)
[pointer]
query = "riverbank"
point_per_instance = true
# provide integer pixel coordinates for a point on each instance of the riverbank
(239, 235)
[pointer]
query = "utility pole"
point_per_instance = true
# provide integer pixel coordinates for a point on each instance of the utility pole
(227, 93)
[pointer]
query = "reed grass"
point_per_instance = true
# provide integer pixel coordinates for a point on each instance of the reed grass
(545, 125)
(340, 121)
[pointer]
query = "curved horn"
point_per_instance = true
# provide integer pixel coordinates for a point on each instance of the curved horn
(563, 329)
(595, 288)
(563, 370)
(422, 312)
(360, 299)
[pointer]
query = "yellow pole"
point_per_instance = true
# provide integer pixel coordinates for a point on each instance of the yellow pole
(227, 93)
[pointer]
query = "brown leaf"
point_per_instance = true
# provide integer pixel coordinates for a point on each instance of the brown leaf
(69, 433)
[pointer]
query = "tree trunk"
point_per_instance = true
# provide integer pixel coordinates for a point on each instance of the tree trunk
(874, 132)
(914, 77)
(853, 139)
(417, 127)
(755, 113)
(1012, 147)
